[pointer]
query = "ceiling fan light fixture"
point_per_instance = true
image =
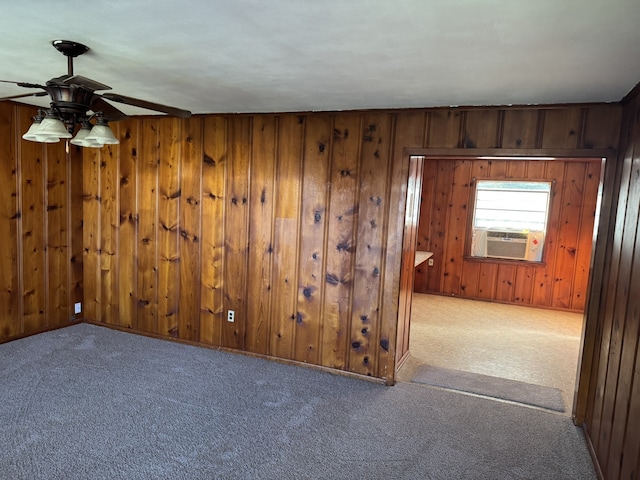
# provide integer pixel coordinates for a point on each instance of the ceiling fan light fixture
(52, 126)
(73, 98)
(81, 137)
(101, 134)
(35, 134)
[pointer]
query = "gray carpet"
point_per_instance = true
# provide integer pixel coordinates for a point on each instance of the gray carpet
(503, 388)
(86, 402)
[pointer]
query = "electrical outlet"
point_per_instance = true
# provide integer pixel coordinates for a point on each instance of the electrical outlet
(231, 316)
(431, 262)
(78, 308)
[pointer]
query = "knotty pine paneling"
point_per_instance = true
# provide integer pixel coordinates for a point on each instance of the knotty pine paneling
(314, 212)
(560, 282)
(612, 343)
(261, 212)
(41, 259)
(295, 222)
(213, 233)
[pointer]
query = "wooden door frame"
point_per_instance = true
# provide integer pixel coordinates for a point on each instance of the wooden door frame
(607, 206)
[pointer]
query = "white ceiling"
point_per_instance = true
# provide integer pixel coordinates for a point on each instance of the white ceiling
(213, 56)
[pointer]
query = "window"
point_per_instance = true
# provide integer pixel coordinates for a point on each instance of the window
(510, 219)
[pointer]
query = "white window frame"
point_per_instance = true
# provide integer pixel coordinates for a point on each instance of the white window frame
(523, 241)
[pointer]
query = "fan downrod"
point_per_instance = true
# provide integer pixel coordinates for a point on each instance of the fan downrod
(70, 50)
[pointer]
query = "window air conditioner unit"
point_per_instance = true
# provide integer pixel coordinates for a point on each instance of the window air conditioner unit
(507, 243)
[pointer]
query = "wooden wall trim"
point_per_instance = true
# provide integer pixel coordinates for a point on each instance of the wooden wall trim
(478, 153)
(588, 347)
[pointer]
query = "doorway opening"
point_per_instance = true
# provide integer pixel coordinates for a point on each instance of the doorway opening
(514, 320)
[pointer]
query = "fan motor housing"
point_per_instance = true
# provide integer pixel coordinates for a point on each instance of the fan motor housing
(70, 99)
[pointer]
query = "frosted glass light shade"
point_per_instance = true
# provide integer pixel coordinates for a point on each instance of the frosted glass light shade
(101, 134)
(81, 138)
(53, 127)
(34, 134)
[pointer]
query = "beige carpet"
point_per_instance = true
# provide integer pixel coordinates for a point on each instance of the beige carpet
(531, 345)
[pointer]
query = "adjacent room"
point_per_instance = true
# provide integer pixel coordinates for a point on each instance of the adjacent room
(213, 211)
(518, 232)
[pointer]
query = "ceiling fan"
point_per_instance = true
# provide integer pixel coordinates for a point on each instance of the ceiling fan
(74, 101)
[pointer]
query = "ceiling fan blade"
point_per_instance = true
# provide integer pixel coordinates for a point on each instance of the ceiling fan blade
(24, 84)
(109, 112)
(32, 94)
(85, 82)
(176, 112)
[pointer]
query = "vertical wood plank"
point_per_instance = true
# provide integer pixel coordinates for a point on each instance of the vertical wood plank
(456, 231)
(10, 212)
(572, 189)
(561, 128)
(444, 129)
(127, 232)
(340, 255)
(517, 169)
(487, 281)
(313, 221)
(602, 128)
(57, 236)
(109, 222)
(32, 157)
(520, 128)
(75, 230)
(481, 128)
(505, 283)
(585, 235)
(213, 234)
(425, 234)
(261, 211)
(469, 281)
(535, 169)
(365, 318)
(498, 169)
(169, 227)
(545, 277)
(147, 189)
(524, 284)
(439, 220)
(236, 229)
(190, 231)
(91, 233)
(288, 170)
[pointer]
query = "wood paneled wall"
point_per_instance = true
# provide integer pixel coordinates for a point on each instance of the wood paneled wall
(613, 405)
(283, 219)
(295, 222)
(40, 216)
(447, 202)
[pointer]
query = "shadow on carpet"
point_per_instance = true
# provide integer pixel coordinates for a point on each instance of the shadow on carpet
(495, 387)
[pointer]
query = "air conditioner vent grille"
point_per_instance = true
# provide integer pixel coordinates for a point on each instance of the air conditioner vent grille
(507, 244)
(507, 234)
